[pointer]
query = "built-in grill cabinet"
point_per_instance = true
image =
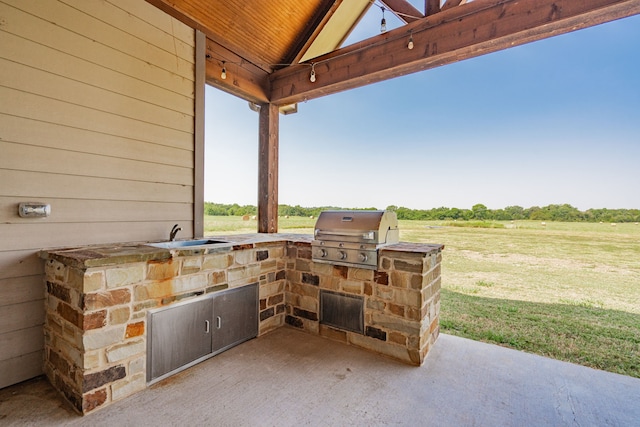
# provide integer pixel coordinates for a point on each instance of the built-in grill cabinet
(178, 335)
(352, 238)
(189, 332)
(342, 311)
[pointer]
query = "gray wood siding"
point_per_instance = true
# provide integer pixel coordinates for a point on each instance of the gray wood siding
(96, 119)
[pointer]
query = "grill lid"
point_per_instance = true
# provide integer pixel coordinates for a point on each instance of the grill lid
(373, 227)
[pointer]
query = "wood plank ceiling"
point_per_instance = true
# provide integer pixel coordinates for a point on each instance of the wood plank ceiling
(251, 39)
(268, 47)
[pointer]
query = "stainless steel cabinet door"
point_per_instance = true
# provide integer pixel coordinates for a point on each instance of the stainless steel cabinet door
(178, 336)
(235, 317)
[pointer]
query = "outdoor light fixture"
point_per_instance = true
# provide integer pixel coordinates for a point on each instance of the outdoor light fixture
(312, 76)
(223, 74)
(383, 23)
(410, 44)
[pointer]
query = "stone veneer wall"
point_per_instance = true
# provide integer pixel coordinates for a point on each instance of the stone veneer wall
(401, 299)
(96, 304)
(95, 325)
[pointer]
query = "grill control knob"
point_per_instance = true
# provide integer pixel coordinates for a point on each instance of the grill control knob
(323, 253)
(363, 257)
(342, 255)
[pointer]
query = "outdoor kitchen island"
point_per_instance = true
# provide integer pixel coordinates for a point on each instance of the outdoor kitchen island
(100, 299)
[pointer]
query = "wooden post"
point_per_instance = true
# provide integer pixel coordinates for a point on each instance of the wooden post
(198, 152)
(431, 7)
(268, 169)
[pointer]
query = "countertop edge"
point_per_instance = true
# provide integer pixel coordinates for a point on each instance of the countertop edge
(101, 255)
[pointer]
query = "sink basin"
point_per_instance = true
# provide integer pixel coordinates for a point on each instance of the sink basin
(185, 243)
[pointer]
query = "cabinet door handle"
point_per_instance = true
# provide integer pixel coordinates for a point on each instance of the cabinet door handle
(218, 322)
(206, 326)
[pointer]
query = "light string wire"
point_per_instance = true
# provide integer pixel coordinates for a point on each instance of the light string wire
(383, 7)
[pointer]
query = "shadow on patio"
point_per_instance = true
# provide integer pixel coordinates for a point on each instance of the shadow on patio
(288, 378)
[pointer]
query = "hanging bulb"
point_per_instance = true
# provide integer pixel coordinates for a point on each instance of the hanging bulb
(312, 76)
(383, 23)
(410, 44)
(223, 74)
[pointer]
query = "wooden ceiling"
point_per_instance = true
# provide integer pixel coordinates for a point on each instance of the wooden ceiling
(261, 43)
(263, 32)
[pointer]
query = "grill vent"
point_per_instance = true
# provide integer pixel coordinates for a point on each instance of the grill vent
(342, 311)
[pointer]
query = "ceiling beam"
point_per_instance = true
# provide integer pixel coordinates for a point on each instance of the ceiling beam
(403, 10)
(315, 26)
(431, 7)
(455, 34)
(452, 3)
(243, 79)
(181, 10)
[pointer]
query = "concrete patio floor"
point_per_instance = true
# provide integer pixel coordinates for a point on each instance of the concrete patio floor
(290, 378)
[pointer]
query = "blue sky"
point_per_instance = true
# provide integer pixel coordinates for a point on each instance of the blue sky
(554, 121)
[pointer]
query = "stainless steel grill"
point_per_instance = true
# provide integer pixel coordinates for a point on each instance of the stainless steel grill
(352, 238)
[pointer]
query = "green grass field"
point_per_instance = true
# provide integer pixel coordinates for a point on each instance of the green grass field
(570, 291)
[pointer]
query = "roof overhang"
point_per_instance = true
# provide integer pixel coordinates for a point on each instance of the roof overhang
(267, 66)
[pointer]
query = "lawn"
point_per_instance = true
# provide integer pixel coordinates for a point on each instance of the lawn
(570, 291)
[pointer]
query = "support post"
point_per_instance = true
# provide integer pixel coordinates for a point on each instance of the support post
(198, 152)
(268, 169)
(431, 7)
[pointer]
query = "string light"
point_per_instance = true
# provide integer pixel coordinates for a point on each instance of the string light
(312, 76)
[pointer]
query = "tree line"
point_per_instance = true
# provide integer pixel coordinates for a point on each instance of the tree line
(479, 211)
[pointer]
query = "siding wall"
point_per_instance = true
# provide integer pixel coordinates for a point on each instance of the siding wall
(96, 119)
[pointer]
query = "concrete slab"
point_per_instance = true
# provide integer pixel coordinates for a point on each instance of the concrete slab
(290, 378)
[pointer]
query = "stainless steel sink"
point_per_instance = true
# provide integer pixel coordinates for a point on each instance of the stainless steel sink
(185, 243)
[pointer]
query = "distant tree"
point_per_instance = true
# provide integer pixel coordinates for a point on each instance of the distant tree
(515, 212)
(480, 211)
(533, 212)
(404, 213)
(500, 215)
(564, 212)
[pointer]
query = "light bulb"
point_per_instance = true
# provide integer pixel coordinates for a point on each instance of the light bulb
(383, 25)
(410, 44)
(223, 74)
(312, 76)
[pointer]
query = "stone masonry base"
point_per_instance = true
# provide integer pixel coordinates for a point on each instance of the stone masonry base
(97, 301)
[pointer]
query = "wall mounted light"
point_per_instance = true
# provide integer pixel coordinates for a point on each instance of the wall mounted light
(34, 210)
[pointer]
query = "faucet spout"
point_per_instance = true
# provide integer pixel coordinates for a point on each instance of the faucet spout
(173, 232)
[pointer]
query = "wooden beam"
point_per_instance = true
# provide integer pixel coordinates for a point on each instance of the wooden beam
(315, 26)
(431, 7)
(268, 169)
(462, 32)
(403, 10)
(184, 11)
(243, 78)
(452, 3)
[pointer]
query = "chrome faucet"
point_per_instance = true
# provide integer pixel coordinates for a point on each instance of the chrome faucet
(174, 231)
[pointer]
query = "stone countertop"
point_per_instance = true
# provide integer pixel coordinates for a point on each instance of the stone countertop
(418, 248)
(121, 253)
(112, 254)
